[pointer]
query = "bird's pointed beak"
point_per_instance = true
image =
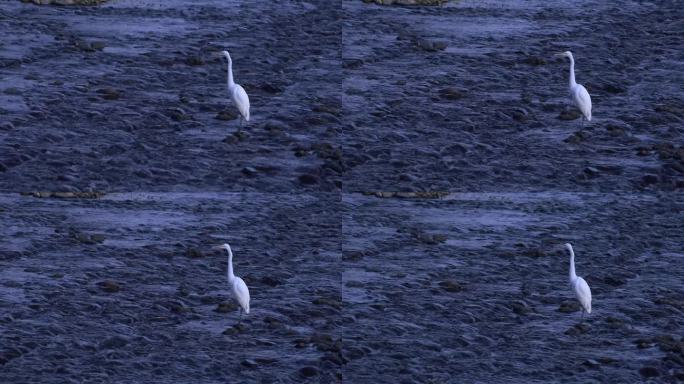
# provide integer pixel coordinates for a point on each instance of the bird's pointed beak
(559, 54)
(217, 247)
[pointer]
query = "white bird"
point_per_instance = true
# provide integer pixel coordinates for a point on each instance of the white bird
(579, 286)
(237, 94)
(238, 288)
(580, 96)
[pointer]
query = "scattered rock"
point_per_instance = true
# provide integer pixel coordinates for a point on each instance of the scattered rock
(308, 179)
(225, 307)
(520, 308)
(235, 329)
(109, 93)
(409, 195)
(193, 253)
(431, 45)
(308, 372)
(194, 60)
(114, 342)
(649, 179)
(649, 371)
(65, 2)
(578, 329)
(534, 60)
(226, 114)
(451, 93)
(249, 171)
(407, 2)
(450, 286)
(569, 307)
(335, 303)
(591, 363)
(66, 195)
(569, 114)
(109, 286)
(86, 238)
(249, 363)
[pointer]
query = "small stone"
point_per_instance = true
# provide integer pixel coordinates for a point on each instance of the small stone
(450, 286)
(235, 329)
(649, 372)
(569, 307)
(591, 171)
(451, 93)
(249, 171)
(308, 179)
(225, 307)
(308, 372)
(578, 329)
(109, 93)
(109, 286)
(193, 253)
(249, 363)
(569, 114)
(114, 342)
(649, 179)
(591, 363)
(226, 115)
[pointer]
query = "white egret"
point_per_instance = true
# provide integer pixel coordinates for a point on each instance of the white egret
(579, 94)
(237, 94)
(238, 288)
(579, 286)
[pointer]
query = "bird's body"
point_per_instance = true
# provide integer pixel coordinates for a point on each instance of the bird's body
(579, 95)
(579, 285)
(237, 94)
(238, 288)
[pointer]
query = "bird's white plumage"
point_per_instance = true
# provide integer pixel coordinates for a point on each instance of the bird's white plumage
(238, 288)
(240, 99)
(241, 293)
(578, 284)
(582, 100)
(580, 96)
(237, 94)
(583, 293)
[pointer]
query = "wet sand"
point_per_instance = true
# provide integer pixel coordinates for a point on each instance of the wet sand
(347, 98)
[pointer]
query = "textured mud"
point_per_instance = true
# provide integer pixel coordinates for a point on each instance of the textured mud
(126, 289)
(471, 289)
(468, 97)
(128, 96)
(129, 100)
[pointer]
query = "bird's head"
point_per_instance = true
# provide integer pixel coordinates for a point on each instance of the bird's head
(568, 247)
(222, 247)
(567, 54)
(226, 55)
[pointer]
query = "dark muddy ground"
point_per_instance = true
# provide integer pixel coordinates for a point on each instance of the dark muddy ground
(127, 98)
(482, 114)
(471, 288)
(125, 289)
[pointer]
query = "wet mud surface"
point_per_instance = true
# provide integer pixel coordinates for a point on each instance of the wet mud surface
(468, 97)
(128, 96)
(127, 289)
(347, 97)
(472, 288)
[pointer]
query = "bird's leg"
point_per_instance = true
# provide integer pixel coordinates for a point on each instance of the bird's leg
(582, 318)
(582, 122)
(240, 316)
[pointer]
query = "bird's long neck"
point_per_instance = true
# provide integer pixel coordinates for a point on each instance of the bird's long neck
(231, 275)
(572, 275)
(231, 83)
(572, 72)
